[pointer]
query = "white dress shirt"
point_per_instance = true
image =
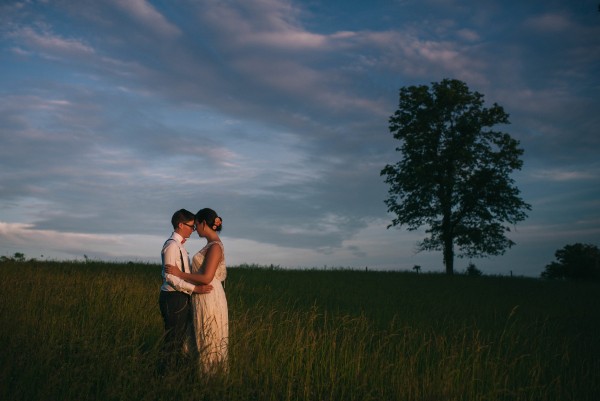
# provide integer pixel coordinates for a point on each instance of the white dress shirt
(174, 253)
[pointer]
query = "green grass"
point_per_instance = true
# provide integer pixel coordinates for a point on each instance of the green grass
(74, 331)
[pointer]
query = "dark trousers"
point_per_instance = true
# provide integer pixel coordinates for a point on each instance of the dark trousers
(175, 309)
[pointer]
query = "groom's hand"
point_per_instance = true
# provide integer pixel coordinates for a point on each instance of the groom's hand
(203, 289)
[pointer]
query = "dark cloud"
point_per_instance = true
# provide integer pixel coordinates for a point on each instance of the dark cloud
(113, 114)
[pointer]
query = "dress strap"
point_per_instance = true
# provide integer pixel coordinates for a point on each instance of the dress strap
(215, 242)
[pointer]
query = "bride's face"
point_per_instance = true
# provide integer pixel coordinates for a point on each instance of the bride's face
(200, 228)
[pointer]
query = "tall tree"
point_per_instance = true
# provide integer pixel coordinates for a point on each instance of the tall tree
(454, 175)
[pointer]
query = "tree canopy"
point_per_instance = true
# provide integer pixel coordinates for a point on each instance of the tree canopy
(454, 174)
(576, 261)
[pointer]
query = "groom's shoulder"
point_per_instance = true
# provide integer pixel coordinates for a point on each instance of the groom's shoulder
(169, 244)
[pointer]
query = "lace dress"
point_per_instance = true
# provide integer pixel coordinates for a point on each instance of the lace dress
(211, 321)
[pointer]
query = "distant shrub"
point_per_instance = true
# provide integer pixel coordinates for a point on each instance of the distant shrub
(473, 271)
(576, 261)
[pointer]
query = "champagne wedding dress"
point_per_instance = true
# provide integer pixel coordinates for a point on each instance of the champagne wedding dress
(211, 322)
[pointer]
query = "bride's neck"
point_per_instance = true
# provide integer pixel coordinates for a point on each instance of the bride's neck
(212, 237)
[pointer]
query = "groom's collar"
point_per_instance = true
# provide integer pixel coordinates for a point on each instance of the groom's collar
(179, 238)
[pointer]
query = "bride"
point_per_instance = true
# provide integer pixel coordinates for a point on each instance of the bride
(210, 314)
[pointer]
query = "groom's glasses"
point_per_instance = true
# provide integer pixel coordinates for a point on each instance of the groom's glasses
(192, 226)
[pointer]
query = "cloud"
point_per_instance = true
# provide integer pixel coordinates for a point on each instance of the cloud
(50, 44)
(558, 233)
(69, 244)
(468, 35)
(273, 112)
(143, 12)
(271, 23)
(563, 175)
(549, 23)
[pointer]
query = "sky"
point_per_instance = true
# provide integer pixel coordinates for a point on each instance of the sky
(114, 114)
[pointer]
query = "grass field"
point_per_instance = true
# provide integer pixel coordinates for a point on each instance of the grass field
(91, 331)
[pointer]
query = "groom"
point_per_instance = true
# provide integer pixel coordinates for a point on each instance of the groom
(175, 294)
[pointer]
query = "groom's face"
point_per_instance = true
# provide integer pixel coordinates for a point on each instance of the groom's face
(188, 228)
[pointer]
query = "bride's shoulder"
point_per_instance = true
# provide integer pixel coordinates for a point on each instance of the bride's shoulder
(213, 243)
(219, 243)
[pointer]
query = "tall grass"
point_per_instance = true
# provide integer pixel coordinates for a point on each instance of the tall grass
(73, 331)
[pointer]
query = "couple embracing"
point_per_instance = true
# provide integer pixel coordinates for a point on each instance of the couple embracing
(192, 298)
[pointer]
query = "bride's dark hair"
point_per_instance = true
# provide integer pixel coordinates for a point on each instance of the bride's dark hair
(211, 218)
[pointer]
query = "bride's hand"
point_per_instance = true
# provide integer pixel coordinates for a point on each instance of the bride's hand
(174, 270)
(203, 289)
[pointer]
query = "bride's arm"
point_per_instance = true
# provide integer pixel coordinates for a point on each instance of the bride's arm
(209, 267)
(189, 277)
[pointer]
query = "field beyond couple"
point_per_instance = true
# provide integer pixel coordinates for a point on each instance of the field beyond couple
(75, 330)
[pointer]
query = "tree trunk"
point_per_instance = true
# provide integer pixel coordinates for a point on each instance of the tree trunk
(448, 239)
(447, 231)
(449, 254)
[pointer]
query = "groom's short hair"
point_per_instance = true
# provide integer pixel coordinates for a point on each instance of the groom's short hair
(181, 216)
